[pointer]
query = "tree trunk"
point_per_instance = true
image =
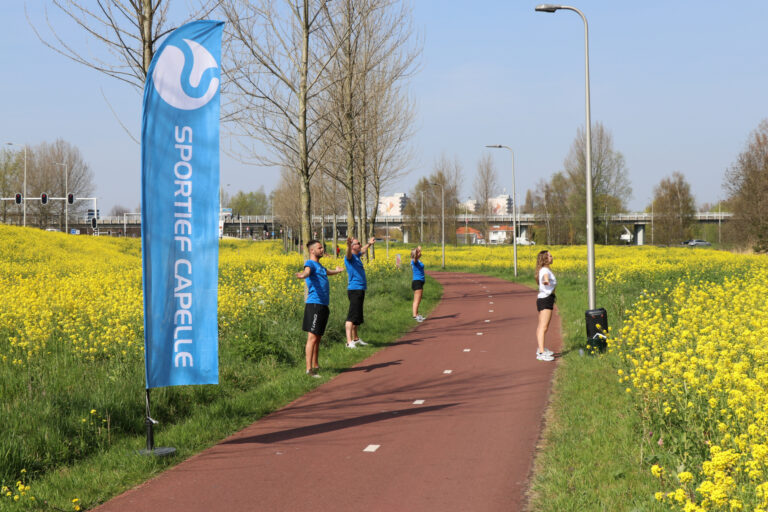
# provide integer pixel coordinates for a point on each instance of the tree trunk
(306, 197)
(146, 33)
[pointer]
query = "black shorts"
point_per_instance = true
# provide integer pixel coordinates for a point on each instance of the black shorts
(315, 318)
(417, 285)
(356, 299)
(546, 303)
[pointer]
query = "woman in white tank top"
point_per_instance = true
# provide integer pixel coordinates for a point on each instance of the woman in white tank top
(545, 302)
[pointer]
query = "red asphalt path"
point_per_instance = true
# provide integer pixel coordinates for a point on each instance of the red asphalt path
(468, 446)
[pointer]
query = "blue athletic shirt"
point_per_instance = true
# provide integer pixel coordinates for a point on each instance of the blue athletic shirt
(355, 272)
(318, 289)
(418, 270)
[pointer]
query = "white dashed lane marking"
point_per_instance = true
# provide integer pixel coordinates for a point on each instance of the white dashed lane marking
(467, 350)
(418, 402)
(372, 448)
(448, 371)
(479, 334)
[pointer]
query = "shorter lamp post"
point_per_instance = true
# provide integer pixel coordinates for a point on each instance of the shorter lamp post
(442, 236)
(66, 202)
(514, 204)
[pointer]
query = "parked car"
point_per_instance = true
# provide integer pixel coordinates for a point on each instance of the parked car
(698, 243)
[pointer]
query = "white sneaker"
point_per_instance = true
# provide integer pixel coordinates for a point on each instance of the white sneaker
(360, 342)
(312, 373)
(419, 318)
(547, 352)
(543, 356)
(351, 344)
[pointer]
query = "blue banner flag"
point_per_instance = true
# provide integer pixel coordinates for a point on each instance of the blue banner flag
(180, 207)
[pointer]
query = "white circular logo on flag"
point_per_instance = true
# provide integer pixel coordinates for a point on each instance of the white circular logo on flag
(167, 76)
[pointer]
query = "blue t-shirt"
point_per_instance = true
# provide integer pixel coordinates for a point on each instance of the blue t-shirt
(355, 272)
(318, 289)
(418, 270)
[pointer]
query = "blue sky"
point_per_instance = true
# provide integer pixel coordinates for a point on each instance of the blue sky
(680, 85)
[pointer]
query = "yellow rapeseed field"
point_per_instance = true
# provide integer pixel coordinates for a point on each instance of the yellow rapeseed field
(83, 295)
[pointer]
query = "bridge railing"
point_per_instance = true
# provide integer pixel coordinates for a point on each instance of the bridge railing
(522, 218)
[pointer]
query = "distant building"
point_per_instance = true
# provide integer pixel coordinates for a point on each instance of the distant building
(500, 205)
(392, 205)
(470, 205)
(500, 234)
(469, 235)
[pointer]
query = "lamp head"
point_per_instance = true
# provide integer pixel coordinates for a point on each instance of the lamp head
(547, 8)
(494, 146)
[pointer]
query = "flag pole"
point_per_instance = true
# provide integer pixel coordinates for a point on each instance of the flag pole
(150, 424)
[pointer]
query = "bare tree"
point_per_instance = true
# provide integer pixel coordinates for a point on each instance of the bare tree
(674, 210)
(276, 64)
(747, 185)
(376, 55)
(610, 179)
(57, 169)
(446, 175)
(129, 31)
(486, 184)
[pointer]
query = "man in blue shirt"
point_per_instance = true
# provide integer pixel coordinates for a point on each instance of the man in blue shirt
(355, 288)
(316, 308)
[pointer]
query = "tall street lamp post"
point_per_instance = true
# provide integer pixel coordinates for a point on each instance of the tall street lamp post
(66, 194)
(590, 221)
(24, 192)
(442, 236)
(421, 230)
(514, 204)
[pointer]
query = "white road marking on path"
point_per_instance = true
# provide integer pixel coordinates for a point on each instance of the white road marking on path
(490, 311)
(418, 402)
(467, 350)
(372, 448)
(491, 303)
(447, 371)
(479, 334)
(487, 321)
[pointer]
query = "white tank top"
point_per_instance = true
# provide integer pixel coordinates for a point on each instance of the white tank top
(546, 290)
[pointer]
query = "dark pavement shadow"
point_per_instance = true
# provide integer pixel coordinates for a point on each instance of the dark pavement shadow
(371, 367)
(321, 428)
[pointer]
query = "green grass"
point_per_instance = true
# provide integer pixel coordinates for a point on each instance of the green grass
(90, 462)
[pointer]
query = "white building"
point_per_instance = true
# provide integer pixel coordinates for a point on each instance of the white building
(392, 205)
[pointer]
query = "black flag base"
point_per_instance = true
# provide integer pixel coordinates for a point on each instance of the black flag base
(151, 450)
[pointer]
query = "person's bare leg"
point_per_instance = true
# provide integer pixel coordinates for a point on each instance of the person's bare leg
(316, 353)
(313, 341)
(350, 328)
(355, 337)
(416, 301)
(545, 315)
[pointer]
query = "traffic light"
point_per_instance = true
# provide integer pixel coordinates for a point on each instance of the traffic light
(93, 222)
(18, 198)
(44, 198)
(70, 198)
